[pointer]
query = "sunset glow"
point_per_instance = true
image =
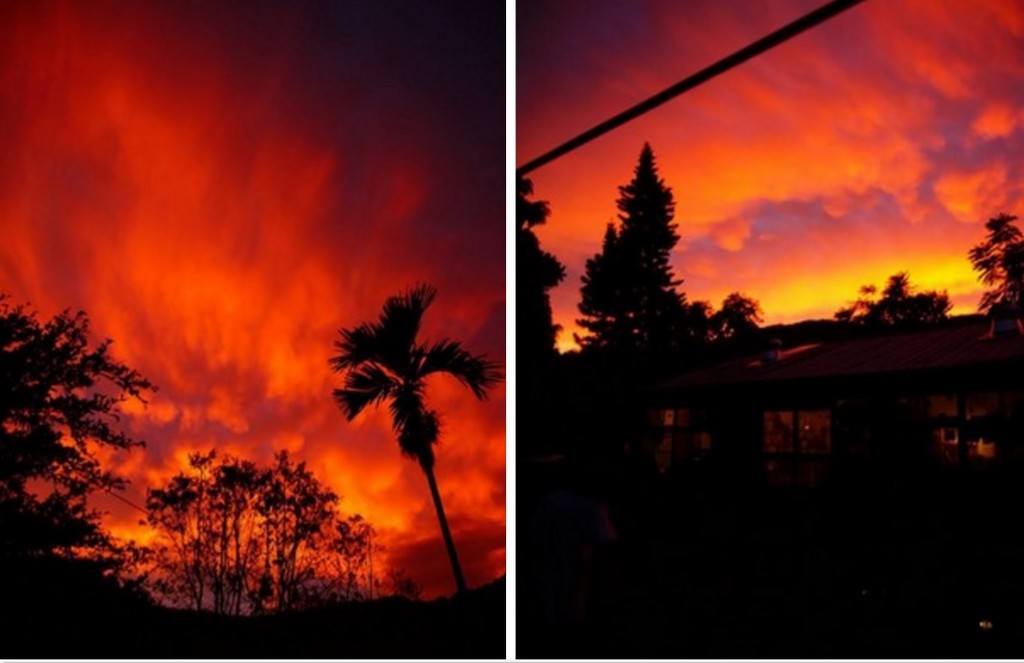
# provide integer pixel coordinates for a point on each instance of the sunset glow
(222, 186)
(878, 142)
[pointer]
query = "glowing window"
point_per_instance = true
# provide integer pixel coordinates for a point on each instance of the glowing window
(663, 452)
(814, 431)
(982, 405)
(778, 432)
(981, 450)
(796, 446)
(942, 405)
(947, 442)
(1013, 404)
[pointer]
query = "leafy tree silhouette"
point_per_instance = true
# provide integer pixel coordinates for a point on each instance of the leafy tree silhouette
(898, 306)
(629, 299)
(738, 318)
(999, 261)
(59, 399)
(537, 272)
(384, 362)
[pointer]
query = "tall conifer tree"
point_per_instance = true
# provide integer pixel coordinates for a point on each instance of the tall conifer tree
(629, 300)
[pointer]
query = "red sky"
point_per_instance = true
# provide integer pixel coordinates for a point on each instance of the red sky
(222, 186)
(878, 142)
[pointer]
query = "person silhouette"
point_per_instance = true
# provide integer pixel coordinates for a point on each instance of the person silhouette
(569, 532)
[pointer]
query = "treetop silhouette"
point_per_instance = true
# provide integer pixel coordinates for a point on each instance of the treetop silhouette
(59, 397)
(898, 306)
(537, 272)
(238, 537)
(999, 261)
(629, 298)
(738, 319)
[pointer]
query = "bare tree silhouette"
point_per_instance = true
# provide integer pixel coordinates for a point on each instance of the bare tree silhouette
(234, 535)
(384, 362)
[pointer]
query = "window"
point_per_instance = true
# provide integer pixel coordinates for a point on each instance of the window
(851, 427)
(814, 432)
(797, 446)
(778, 432)
(947, 442)
(981, 451)
(992, 428)
(663, 453)
(811, 472)
(988, 426)
(942, 405)
(680, 433)
(681, 444)
(982, 405)
(1013, 404)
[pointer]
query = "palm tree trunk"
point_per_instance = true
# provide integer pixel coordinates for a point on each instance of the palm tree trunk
(460, 582)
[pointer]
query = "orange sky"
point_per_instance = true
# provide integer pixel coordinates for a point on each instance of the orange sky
(878, 142)
(223, 186)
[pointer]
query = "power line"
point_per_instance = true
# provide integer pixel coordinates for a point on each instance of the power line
(785, 33)
(127, 501)
(109, 491)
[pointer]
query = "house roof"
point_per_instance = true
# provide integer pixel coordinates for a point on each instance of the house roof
(949, 347)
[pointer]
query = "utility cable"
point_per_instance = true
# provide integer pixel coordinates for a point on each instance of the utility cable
(783, 34)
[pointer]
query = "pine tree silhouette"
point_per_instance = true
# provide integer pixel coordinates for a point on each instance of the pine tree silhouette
(629, 299)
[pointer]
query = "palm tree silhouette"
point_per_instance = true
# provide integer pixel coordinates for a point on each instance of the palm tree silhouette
(384, 362)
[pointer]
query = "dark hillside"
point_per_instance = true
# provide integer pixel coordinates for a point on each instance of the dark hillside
(64, 610)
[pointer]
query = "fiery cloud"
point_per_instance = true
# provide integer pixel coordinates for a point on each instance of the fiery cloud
(223, 186)
(880, 141)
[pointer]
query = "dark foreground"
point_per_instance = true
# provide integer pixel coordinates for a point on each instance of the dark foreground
(886, 566)
(74, 620)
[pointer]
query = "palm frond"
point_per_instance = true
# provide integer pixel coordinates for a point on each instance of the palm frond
(477, 373)
(404, 312)
(390, 340)
(365, 385)
(401, 318)
(357, 345)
